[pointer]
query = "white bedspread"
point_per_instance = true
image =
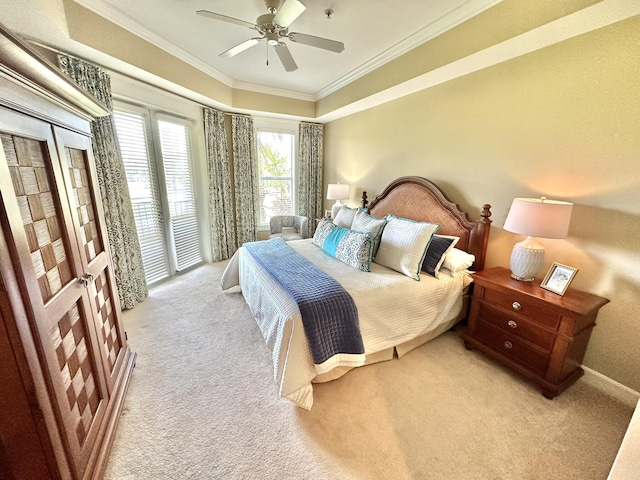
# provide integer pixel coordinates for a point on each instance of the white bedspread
(392, 309)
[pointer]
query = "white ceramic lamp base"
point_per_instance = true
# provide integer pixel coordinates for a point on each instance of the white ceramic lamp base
(335, 209)
(526, 259)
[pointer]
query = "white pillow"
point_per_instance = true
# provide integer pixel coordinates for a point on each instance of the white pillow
(363, 222)
(403, 245)
(457, 260)
(344, 217)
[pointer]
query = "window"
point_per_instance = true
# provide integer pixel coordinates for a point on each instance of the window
(276, 153)
(157, 160)
(174, 143)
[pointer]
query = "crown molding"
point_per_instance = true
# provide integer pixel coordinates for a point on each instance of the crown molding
(446, 22)
(280, 92)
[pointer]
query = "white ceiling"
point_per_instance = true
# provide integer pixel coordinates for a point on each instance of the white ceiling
(373, 31)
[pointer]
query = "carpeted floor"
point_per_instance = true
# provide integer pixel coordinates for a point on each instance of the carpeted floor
(202, 404)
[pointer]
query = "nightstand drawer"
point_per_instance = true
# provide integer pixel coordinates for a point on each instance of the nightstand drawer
(518, 326)
(512, 347)
(523, 305)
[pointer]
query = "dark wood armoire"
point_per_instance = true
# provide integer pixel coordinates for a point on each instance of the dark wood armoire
(64, 359)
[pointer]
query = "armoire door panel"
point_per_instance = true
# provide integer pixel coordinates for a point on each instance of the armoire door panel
(59, 307)
(75, 150)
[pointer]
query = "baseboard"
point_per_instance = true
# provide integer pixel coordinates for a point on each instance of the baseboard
(620, 391)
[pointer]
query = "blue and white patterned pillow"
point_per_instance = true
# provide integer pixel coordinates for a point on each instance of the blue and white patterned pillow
(404, 244)
(325, 226)
(364, 222)
(348, 246)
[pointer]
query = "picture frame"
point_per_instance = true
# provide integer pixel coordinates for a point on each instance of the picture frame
(327, 213)
(558, 278)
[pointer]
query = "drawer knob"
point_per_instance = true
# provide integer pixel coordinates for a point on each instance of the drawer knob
(508, 344)
(512, 324)
(516, 306)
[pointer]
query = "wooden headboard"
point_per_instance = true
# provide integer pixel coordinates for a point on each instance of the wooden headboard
(419, 199)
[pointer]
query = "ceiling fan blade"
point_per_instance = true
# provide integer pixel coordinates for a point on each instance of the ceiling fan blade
(233, 51)
(224, 18)
(319, 42)
(288, 13)
(285, 57)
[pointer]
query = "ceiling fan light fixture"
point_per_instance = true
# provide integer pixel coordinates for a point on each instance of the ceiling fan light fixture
(273, 39)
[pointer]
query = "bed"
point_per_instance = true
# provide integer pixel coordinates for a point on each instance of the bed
(396, 313)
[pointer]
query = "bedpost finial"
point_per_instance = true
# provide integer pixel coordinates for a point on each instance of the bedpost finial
(365, 202)
(486, 213)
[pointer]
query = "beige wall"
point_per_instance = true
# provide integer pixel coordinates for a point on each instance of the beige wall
(563, 122)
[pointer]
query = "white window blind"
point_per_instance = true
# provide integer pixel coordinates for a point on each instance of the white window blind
(276, 153)
(174, 143)
(131, 130)
(157, 159)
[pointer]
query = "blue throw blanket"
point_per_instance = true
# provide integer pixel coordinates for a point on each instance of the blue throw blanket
(329, 314)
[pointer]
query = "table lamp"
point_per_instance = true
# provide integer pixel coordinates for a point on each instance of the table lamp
(535, 217)
(337, 192)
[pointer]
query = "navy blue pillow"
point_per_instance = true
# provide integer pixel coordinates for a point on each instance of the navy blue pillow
(436, 251)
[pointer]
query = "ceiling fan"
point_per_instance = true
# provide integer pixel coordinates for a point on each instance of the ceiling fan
(274, 26)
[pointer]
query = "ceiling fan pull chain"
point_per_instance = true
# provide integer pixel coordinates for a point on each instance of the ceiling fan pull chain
(267, 45)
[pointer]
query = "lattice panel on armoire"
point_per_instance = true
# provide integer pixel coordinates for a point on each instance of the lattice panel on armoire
(77, 370)
(29, 167)
(77, 162)
(106, 314)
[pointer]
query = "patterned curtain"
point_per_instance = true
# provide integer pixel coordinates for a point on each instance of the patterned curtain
(245, 175)
(309, 181)
(221, 219)
(121, 228)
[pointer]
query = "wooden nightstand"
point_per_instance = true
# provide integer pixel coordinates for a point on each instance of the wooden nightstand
(533, 331)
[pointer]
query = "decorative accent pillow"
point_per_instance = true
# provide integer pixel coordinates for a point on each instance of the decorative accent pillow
(352, 248)
(440, 245)
(322, 230)
(344, 217)
(363, 222)
(403, 245)
(457, 260)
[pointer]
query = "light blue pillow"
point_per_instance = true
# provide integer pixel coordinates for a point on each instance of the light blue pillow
(348, 246)
(364, 222)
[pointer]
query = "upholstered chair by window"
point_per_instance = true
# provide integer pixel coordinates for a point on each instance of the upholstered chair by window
(289, 227)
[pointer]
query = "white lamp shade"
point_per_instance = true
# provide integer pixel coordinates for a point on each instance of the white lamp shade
(535, 217)
(337, 191)
(539, 217)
